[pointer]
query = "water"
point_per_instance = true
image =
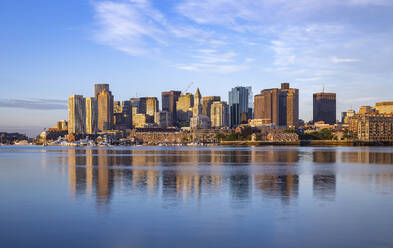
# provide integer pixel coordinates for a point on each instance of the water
(196, 197)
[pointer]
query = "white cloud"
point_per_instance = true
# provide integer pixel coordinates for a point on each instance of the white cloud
(343, 60)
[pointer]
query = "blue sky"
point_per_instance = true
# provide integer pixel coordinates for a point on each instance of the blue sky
(52, 49)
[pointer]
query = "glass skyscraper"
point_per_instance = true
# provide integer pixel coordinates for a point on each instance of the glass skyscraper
(238, 99)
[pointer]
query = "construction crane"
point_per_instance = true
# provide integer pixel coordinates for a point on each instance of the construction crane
(188, 87)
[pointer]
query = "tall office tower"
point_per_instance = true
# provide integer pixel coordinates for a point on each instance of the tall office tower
(100, 87)
(105, 110)
(207, 101)
(219, 114)
(76, 115)
(148, 106)
(169, 99)
(127, 112)
(117, 107)
(91, 115)
(250, 103)
(290, 99)
(197, 108)
(152, 106)
(122, 116)
(324, 107)
(238, 106)
(184, 109)
(280, 107)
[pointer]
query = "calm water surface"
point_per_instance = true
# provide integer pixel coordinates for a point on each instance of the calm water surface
(196, 197)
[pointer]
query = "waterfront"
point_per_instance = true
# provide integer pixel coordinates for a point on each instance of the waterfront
(196, 196)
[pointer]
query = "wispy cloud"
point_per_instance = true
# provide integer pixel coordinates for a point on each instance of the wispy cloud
(343, 60)
(312, 42)
(36, 104)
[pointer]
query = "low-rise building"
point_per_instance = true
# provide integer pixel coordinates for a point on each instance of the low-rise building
(163, 119)
(384, 107)
(372, 127)
(282, 137)
(200, 122)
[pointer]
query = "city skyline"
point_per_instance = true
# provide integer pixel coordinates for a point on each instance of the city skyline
(224, 45)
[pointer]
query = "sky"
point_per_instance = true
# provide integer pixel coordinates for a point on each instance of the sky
(50, 50)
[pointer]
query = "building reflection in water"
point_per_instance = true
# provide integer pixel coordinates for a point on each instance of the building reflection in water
(324, 175)
(180, 175)
(367, 156)
(283, 181)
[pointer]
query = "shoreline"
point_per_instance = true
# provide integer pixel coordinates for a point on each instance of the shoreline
(305, 143)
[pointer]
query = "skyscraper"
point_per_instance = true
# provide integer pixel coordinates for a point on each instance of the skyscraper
(76, 115)
(197, 108)
(324, 107)
(105, 110)
(184, 109)
(238, 106)
(290, 99)
(280, 107)
(219, 114)
(100, 87)
(91, 115)
(169, 99)
(207, 101)
(122, 116)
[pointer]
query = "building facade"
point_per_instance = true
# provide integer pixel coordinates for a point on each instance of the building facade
(280, 106)
(76, 115)
(122, 116)
(100, 87)
(384, 107)
(163, 119)
(324, 107)
(168, 101)
(197, 108)
(184, 108)
(372, 127)
(238, 106)
(219, 114)
(207, 102)
(91, 115)
(149, 106)
(105, 110)
(200, 122)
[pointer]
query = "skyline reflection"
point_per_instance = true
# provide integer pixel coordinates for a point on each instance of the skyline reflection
(181, 175)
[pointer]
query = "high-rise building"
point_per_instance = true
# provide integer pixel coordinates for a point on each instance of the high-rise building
(219, 114)
(184, 108)
(105, 110)
(76, 115)
(207, 101)
(100, 87)
(250, 103)
(169, 99)
(324, 107)
(148, 106)
(238, 106)
(122, 116)
(197, 108)
(91, 115)
(280, 107)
